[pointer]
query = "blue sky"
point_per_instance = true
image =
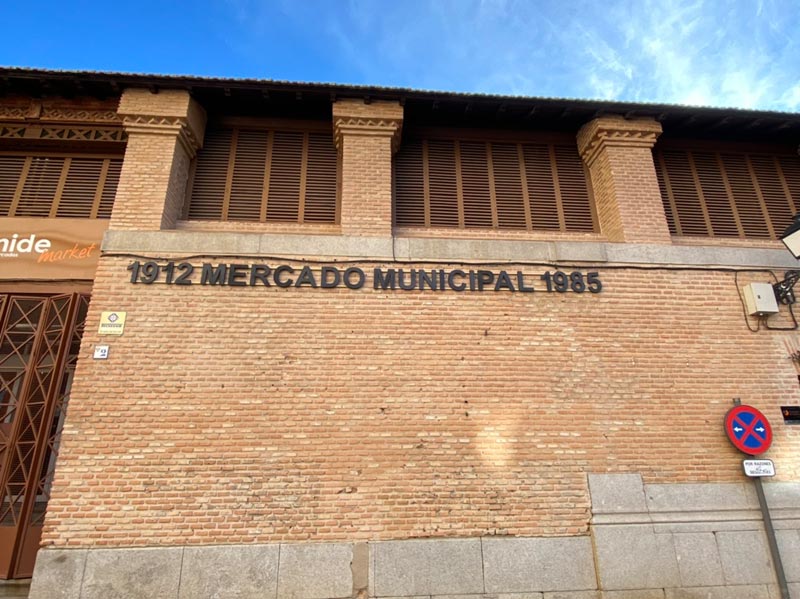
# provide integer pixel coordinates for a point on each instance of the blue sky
(742, 53)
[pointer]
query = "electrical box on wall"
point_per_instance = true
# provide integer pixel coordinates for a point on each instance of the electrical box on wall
(759, 298)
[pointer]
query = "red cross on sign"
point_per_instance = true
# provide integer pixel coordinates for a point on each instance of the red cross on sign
(748, 429)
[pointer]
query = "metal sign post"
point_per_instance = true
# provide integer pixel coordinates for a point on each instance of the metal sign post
(750, 432)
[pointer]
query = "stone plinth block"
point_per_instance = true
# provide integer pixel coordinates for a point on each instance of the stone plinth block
(230, 572)
(315, 571)
(132, 573)
(432, 567)
(524, 565)
(58, 574)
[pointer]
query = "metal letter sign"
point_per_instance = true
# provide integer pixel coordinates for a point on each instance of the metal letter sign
(748, 429)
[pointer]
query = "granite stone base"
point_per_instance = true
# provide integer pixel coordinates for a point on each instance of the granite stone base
(699, 541)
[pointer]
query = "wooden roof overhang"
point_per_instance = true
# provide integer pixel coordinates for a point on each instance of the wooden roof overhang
(264, 97)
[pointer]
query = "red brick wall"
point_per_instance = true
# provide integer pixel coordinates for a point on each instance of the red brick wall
(245, 414)
(229, 415)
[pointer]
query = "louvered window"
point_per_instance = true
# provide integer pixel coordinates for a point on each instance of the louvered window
(66, 186)
(498, 185)
(264, 176)
(719, 193)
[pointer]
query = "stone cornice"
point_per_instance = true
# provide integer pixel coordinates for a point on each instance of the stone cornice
(411, 249)
(363, 126)
(606, 132)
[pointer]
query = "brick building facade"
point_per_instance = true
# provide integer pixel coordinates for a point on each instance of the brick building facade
(387, 343)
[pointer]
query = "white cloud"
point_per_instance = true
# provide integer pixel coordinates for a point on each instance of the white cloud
(683, 51)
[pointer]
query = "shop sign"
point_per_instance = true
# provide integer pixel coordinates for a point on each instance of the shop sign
(50, 248)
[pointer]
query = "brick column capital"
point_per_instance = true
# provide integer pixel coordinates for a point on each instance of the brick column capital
(165, 130)
(167, 112)
(376, 119)
(610, 131)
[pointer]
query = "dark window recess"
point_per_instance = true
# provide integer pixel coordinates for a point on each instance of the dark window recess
(264, 176)
(728, 193)
(58, 186)
(491, 185)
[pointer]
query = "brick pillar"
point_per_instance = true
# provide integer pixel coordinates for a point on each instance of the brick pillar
(366, 137)
(165, 130)
(618, 153)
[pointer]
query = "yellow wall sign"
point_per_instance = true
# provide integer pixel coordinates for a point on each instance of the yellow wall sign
(112, 323)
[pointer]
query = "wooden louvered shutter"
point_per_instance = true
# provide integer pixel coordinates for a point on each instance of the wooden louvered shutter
(42, 183)
(284, 185)
(500, 185)
(746, 199)
(687, 212)
(320, 199)
(11, 173)
(777, 198)
(718, 214)
(69, 186)
(265, 176)
(575, 201)
(443, 195)
(410, 186)
(541, 186)
(727, 193)
(475, 182)
(243, 201)
(109, 189)
(82, 175)
(511, 213)
(789, 168)
(210, 176)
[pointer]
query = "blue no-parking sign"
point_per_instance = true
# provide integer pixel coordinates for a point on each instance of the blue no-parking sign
(748, 429)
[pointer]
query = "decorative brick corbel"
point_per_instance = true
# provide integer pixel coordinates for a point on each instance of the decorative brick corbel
(611, 131)
(376, 119)
(187, 121)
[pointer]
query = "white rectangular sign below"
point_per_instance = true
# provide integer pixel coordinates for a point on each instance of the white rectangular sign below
(757, 468)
